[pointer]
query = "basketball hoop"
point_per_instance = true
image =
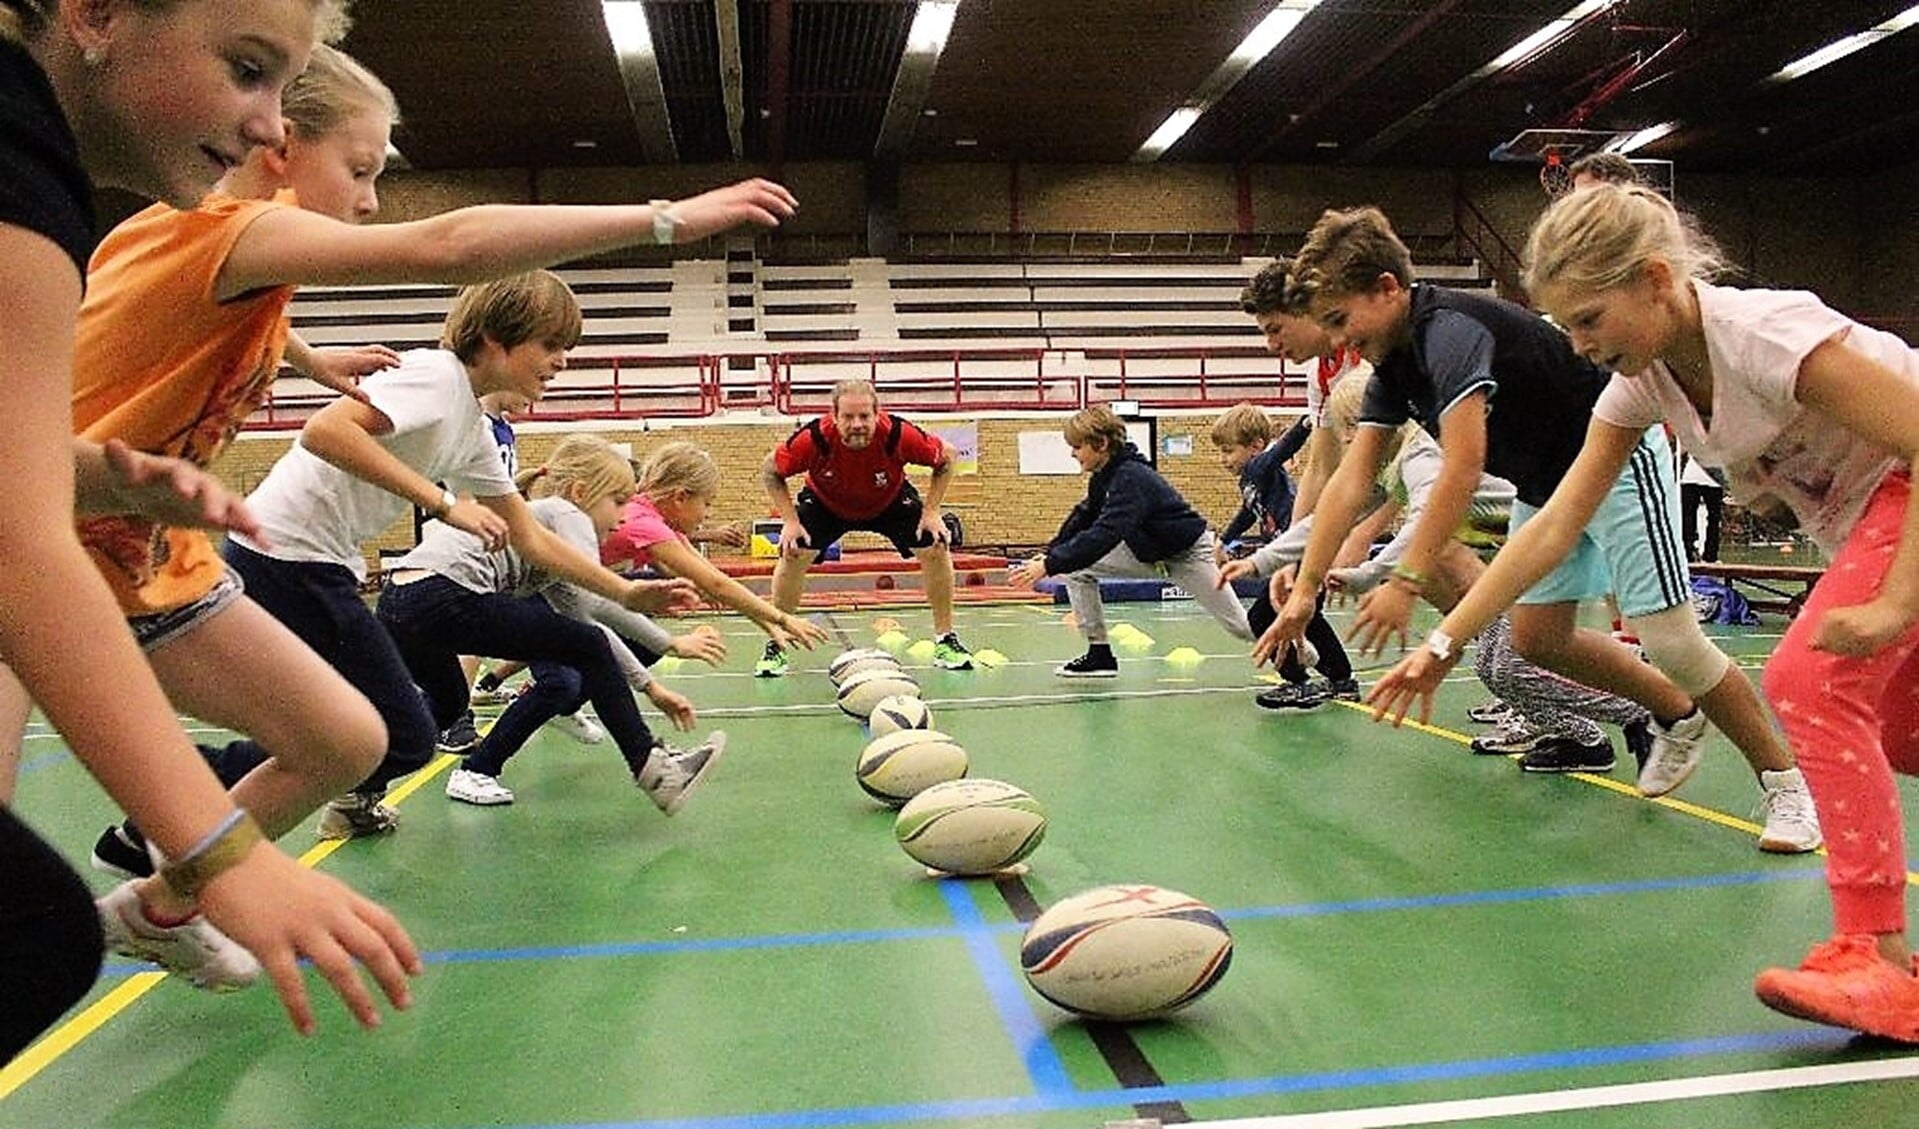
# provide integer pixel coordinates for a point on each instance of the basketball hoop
(1554, 176)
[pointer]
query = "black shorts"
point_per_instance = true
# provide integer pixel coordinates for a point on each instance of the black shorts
(898, 523)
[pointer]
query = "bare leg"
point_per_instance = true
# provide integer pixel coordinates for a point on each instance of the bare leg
(936, 570)
(15, 708)
(1548, 635)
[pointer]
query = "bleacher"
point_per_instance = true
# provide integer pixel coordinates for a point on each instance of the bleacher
(678, 339)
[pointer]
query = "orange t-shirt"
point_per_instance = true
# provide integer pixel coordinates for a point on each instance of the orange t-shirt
(159, 364)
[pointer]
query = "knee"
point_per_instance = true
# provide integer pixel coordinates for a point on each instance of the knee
(357, 739)
(1680, 650)
(1541, 646)
(561, 690)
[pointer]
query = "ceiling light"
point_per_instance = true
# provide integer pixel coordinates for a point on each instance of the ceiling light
(626, 23)
(1266, 36)
(932, 23)
(1840, 48)
(1546, 37)
(1633, 142)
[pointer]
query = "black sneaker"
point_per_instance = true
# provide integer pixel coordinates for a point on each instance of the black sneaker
(460, 736)
(1563, 754)
(1639, 743)
(1097, 662)
(1293, 696)
(1343, 689)
(122, 850)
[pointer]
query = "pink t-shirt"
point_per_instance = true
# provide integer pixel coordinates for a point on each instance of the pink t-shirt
(633, 539)
(1773, 450)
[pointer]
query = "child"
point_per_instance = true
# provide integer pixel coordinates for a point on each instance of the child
(1441, 356)
(1800, 408)
(1244, 437)
(76, 112)
(1562, 714)
(181, 335)
(452, 596)
(1131, 523)
(675, 490)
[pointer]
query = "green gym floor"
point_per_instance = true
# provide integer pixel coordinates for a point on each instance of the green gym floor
(1422, 936)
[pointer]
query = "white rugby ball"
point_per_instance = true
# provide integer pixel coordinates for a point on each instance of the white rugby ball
(895, 768)
(860, 658)
(970, 826)
(861, 692)
(901, 711)
(1125, 952)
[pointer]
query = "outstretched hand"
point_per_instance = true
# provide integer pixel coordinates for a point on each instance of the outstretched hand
(1233, 570)
(1415, 679)
(759, 202)
(706, 646)
(1026, 573)
(281, 912)
(664, 597)
(1383, 615)
(340, 368)
(174, 491)
(792, 630)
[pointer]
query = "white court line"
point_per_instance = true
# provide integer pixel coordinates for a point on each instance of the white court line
(1596, 1097)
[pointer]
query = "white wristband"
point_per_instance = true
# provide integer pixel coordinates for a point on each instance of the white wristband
(666, 222)
(1441, 645)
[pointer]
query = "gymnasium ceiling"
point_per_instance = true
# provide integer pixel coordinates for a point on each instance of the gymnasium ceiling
(530, 83)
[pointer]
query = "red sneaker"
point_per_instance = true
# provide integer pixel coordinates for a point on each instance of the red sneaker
(1846, 983)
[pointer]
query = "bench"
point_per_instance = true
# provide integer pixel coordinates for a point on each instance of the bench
(1780, 588)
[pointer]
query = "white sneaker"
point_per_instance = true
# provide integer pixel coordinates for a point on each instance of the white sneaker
(477, 788)
(579, 727)
(671, 774)
(1675, 753)
(1792, 826)
(195, 949)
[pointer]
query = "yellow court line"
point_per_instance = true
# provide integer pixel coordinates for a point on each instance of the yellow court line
(68, 1035)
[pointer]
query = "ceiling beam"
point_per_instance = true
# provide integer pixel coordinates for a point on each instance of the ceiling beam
(645, 93)
(726, 16)
(779, 69)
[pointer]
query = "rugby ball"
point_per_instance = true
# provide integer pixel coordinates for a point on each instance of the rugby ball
(1125, 952)
(861, 692)
(970, 826)
(895, 768)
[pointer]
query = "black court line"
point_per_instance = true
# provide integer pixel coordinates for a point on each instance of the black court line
(1114, 1041)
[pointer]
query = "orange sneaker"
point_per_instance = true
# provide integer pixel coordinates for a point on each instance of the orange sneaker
(1846, 983)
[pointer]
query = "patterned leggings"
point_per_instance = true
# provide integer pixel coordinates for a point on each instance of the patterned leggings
(1853, 722)
(1554, 703)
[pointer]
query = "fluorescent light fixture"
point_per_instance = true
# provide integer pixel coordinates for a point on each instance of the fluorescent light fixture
(1278, 24)
(932, 23)
(1169, 131)
(1266, 36)
(626, 23)
(1840, 48)
(1546, 36)
(1633, 142)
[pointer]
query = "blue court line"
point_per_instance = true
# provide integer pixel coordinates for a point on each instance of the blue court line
(973, 927)
(1043, 1066)
(1333, 1081)
(31, 765)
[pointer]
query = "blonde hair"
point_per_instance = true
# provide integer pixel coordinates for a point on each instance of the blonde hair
(1097, 422)
(535, 306)
(680, 468)
(1342, 408)
(1242, 425)
(1601, 238)
(26, 19)
(1346, 252)
(587, 461)
(333, 89)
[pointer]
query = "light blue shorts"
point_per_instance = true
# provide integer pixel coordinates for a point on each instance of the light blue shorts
(1632, 547)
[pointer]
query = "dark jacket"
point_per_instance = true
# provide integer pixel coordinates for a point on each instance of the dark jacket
(1126, 500)
(1266, 490)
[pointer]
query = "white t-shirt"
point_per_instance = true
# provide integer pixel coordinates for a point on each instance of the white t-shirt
(1328, 371)
(311, 510)
(1772, 449)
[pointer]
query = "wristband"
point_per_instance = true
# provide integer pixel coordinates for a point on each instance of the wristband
(1441, 645)
(666, 222)
(219, 852)
(1411, 576)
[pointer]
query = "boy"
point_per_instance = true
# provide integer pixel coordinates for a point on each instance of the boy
(1244, 437)
(1132, 523)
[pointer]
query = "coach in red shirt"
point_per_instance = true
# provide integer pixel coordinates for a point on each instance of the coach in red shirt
(855, 461)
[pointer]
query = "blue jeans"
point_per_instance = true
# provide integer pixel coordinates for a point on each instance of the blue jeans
(434, 621)
(321, 604)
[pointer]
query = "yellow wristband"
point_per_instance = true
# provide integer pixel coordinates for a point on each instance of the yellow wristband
(213, 856)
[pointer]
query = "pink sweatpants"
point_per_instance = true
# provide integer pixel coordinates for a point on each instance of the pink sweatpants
(1853, 722)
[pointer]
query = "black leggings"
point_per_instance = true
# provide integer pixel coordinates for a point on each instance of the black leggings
(1333, 662)
(50, 941)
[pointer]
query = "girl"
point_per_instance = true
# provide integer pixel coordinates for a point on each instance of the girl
(452, 596)
(181, 336)
(675, 491)
(78, 109)
(1801, 409)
